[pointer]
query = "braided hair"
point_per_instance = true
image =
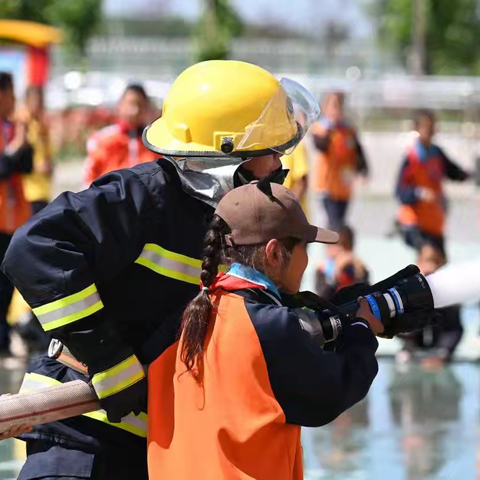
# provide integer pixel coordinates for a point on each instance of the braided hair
(197, 315)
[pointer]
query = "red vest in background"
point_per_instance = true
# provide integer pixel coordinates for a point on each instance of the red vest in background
(14, 208)
(334, 170)
(428, 216)
(111, 148)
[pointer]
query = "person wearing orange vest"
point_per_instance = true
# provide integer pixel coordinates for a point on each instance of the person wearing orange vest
(422, 211)
(16, 158)
(228, 399)
(340, 159)
(120, 145)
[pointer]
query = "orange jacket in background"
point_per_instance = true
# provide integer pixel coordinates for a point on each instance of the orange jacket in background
(14, 208)
(113, 148)
(429, 173)
(336, 164)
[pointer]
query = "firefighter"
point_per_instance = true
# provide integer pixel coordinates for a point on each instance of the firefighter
(227, 400)
(109, 270)
(422, 211)
(120, 145)
(340, 160)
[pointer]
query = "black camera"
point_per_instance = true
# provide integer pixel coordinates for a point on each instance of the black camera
(403, 302)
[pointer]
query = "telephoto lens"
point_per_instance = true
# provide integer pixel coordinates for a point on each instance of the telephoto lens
(403, 302)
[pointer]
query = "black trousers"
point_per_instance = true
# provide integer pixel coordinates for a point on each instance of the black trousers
(336, 212)
(48, 461)
(6, 293)
(416, 238)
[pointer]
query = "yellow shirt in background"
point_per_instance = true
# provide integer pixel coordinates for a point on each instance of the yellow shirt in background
(297, 163)
(37, 186)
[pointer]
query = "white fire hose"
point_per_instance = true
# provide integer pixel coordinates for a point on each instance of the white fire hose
(48, 404)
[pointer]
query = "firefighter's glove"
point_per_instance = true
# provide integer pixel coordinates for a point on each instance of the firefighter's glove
(122, 389)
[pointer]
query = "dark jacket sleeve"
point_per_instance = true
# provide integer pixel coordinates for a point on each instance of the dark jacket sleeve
(452, 170)
(78, 242)
(362, 166)
(321, 142)
(405, 189)
(313, 386)
(20, 161)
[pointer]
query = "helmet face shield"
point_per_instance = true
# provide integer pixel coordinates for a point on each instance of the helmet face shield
(283, 123)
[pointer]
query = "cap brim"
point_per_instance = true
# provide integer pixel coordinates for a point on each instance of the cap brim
(322, 235)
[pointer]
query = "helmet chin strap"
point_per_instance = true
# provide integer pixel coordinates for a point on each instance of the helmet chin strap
(244, 177)
(211, 184)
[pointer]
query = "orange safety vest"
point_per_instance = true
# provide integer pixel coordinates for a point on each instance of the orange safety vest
(427, 216)
(334, 170)
(232, 427)
(14, 208)
(111, 148)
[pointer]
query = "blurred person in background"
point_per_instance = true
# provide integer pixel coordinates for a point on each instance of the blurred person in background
(297, 179)
(439, 341)
(38, 189)
(16, 159)
(422, 212)
(38, 184)
(342, 267)
(120, 145)
(339, 161)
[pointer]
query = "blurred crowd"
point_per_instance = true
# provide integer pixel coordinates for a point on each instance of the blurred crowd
(111, 139)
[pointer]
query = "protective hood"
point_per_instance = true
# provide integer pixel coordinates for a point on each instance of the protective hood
(206, 178)
(210, 179)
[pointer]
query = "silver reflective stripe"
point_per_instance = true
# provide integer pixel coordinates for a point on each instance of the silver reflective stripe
(69, 309)
(131, 423)
(29, 384)
(135, 421)
(109, 382)
(170, 264)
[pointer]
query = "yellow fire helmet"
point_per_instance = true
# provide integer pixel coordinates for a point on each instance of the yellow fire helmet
(226, 108)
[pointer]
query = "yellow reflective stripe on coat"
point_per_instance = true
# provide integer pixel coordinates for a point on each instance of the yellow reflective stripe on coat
(131, 423)
(69, 309)
(170, 264)
(118, 378)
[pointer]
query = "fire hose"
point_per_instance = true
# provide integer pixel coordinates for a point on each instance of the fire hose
(47, 405)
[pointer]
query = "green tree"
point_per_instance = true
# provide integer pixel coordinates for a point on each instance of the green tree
(446, 33)
(77, 18)
(217, 27)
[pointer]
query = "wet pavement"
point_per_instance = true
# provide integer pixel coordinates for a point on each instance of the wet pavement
(12, 452)
(415, 424)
